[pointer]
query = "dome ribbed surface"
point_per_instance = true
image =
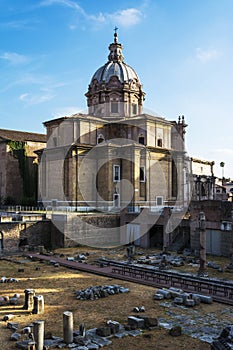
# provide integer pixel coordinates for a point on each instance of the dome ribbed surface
(120, 69)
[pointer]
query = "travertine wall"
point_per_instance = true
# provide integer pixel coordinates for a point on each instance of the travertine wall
(35, 233)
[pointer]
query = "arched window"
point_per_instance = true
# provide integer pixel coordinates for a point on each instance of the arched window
(160, 143)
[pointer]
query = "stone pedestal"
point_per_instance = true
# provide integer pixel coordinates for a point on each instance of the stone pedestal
(39, 334)
(68, 327)
(28, 301)
(38, 302)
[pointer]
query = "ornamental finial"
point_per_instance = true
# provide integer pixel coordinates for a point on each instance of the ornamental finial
(115, 35)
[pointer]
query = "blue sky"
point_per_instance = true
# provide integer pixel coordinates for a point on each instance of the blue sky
(182, 51)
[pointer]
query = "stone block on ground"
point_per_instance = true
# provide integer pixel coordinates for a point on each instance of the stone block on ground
(166, 293)
(189, 302)
(204, 298)
(178, 300)
(15, 336)
(158, 296)
(23, 344)
(12, 325)
(136, 322)
(13, 301)
(134, 333)
(114, 326)
(150, 321)
(8, 317)
(103, 331)
(175, 331)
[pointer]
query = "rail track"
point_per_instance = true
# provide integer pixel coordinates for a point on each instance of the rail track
(220, 290)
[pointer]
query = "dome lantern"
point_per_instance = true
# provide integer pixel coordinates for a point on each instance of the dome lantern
(115, 89)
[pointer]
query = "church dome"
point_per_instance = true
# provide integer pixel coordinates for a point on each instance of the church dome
(123, 71)
(115, 89)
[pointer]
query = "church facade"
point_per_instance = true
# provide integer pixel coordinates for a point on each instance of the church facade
(115, 159)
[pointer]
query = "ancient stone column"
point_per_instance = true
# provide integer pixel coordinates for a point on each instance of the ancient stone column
(202, 272)
(68, 327)
(28, 303)
(31, 345)
(38, 301)
(39, 334)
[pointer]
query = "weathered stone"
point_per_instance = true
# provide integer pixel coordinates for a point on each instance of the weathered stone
(158, 296)
(23, 344)
(39, 334)
(68, 327)
(114, 326)
(81, 340)
(178, 300)
(227, 333)
(134, 333)
(15, 336)
(150, 321)
(8, 317)
(28, 302)
(13, 325)
(103, 331)
(13, 301)
(92, 346)
(16, 295)
(82, 330)
(166, 293)
(204, 298)
(38, 304)
(175, 331)
(135, 321)
(3, 301)
(189, 302)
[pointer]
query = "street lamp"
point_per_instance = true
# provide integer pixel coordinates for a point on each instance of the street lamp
(202, 272)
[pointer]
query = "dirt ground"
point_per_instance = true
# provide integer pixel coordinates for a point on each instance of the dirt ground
(58, 286)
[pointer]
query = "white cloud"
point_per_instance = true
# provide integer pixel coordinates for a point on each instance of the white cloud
(14, 58)
(67, 3)
(206, 55)
(31, 99)
(125, 18)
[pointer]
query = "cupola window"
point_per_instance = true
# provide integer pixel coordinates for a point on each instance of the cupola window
(141, 139)
(114, 107)
(134, 108)
(160, 143)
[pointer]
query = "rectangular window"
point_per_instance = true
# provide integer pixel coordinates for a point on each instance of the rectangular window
(114, 107)
(159, 200)
(142, 174)
(134, 108)
(116, 173)
(141, 140)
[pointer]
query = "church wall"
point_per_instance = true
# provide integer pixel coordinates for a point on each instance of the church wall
(3, 179)
(97, 230)
(14, 181)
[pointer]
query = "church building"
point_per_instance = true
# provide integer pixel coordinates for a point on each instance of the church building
(115, 159)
